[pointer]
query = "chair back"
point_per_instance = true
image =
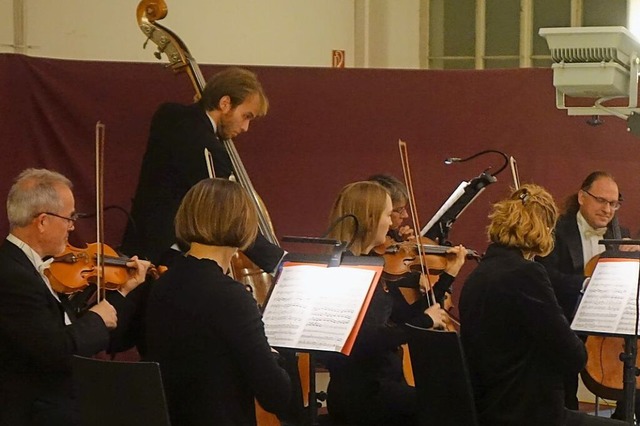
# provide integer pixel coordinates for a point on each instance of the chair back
(443, 387)
(119, 393)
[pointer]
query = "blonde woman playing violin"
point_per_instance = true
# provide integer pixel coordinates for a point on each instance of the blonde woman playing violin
(368, 387)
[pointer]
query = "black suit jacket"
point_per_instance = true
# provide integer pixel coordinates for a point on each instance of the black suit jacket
(517, 342)
(36, 346)
(565, 264)
(172, 164)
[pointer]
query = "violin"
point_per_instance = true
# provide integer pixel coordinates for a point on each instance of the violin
(400, 258)
(76, 268)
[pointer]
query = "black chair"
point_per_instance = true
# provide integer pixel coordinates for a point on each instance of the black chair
(442, 379)
(119, 393)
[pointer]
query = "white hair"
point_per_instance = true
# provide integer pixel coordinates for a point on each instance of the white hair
(34, 192)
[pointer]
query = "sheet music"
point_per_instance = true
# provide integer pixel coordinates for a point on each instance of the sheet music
(315, 307)
(609, 303)
(457, 193)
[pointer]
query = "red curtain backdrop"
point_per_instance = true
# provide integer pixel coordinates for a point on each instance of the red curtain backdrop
(325, 128)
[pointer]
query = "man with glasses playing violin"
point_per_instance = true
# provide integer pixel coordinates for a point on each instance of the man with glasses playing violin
(399, 233)
(587, 218)
(39, 333)
(399, 199)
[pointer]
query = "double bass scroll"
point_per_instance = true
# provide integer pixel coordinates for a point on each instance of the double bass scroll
(167, 42)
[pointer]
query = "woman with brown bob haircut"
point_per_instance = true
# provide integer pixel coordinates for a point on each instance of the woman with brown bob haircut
(216, 212)
(516, 339)
(203, 327)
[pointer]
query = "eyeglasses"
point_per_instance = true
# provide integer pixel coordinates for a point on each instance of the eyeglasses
(400, 210)
(615, 205)
(71, 220)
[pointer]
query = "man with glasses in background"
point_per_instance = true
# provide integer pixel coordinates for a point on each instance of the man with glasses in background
(39, 332)
(588, 217)
(399, 199)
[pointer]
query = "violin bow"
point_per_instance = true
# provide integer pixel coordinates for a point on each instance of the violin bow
(406, 170)
(100, 138)
(513, 165)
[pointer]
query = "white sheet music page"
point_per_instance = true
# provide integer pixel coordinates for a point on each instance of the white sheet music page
(457, 193)
(609, 302)
(315, 307)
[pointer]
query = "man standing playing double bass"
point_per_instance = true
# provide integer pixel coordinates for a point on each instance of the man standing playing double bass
(174, 161)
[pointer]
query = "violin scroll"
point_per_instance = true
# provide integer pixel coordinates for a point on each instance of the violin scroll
(156, 271)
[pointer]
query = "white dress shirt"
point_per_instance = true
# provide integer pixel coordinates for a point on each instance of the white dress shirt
(590, 237)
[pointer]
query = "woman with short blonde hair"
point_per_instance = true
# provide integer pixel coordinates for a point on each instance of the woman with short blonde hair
(525, 220)
(517, 341)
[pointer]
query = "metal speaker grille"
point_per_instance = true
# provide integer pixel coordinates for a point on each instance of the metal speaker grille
(586, 54)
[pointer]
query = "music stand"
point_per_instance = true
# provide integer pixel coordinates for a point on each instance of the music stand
(439, 226)
(336, 259)
(628, 357)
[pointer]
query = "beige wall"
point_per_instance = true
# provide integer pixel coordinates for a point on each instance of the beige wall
(250, 32)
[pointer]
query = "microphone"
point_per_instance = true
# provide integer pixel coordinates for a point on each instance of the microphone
(335, 223)
(452, 160)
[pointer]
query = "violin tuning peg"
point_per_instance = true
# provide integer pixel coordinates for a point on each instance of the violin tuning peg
(158, 55)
